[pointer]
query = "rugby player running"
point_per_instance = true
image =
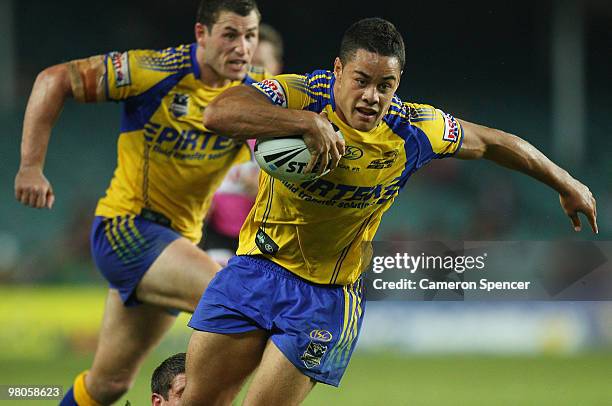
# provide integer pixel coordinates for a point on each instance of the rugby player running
(291, 303)
(147, 225)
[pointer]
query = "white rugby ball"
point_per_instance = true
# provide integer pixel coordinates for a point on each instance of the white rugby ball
(285, 158)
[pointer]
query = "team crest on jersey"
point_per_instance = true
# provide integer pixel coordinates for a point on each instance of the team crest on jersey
(121, 68)
(451, 127)
(273, 90)
(313, 354)
(179, 105)
(387, 161)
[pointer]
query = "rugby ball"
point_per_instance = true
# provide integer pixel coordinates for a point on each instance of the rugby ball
(285, 158)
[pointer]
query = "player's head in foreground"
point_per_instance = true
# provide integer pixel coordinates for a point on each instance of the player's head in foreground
(227, 33)
(168, 381)
(368, 71)
(269, 52)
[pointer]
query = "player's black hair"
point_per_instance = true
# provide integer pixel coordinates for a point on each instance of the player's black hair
(209, 10)
(164, 374)
(271, 35)
(374, 35)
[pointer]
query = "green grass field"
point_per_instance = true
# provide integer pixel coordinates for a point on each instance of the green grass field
(48, 336)
(393, 379)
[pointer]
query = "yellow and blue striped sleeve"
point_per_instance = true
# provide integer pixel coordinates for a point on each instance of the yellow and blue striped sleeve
(442, 130)
(134, 72)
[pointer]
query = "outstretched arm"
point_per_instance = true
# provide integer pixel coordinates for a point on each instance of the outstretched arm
(243, 112)
(80, 79)
(515, 153)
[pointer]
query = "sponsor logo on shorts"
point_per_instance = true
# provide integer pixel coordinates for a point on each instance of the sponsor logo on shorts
(273, 90)
(323, 336)
(352, 153)
(121, 68)
(313, 354)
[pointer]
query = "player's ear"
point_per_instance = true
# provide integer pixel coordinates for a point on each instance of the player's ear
(201, 33)
(337, 68)
(156, 399)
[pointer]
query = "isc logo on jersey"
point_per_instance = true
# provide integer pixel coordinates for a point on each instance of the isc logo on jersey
(273, 90)
(451, 127)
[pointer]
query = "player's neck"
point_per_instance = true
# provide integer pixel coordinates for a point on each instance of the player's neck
(208, 76)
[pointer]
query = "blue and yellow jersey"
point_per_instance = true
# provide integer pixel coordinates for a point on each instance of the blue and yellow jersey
(168, 162)
(322, 227)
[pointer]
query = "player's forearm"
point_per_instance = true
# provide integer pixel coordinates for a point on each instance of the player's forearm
(50, 91)
(243, 113)
(515, 153)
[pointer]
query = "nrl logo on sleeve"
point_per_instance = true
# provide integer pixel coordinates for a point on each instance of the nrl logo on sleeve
(274, 91)
(121, 68)
(451, 127)
(179, 105)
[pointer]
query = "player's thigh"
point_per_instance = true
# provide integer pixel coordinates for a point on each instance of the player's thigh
(218, 364)
(178, 277)
(277, 381)
(126, 336)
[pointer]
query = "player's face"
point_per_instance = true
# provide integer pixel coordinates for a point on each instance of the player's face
(364, 88)
(264, 56)
(230, 43)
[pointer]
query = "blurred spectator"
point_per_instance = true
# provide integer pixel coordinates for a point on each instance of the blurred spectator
(269, 53)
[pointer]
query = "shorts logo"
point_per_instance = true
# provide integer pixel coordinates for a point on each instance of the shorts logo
(352, 153)
(274, 91)
(121, 68)
(179, 105)
(323, 336)
(451, 127)
(313, 354)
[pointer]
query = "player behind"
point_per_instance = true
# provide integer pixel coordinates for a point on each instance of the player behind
(291, 303)
(168, 381)
(236, 195)
(146, 226)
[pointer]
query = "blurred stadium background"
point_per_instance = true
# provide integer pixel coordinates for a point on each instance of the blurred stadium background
(538, 69)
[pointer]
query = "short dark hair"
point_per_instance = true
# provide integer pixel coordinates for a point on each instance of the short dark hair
(209, 10)
(374, 35)
(271, 35)
(164, 374)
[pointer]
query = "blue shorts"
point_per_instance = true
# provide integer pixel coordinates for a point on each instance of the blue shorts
(314, 326)
(124, 248)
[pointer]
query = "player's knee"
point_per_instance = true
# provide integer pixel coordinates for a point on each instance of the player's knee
(209, 395)
(193, 302)
(110, 389)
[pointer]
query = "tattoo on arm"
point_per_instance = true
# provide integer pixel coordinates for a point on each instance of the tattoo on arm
(88, 79)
